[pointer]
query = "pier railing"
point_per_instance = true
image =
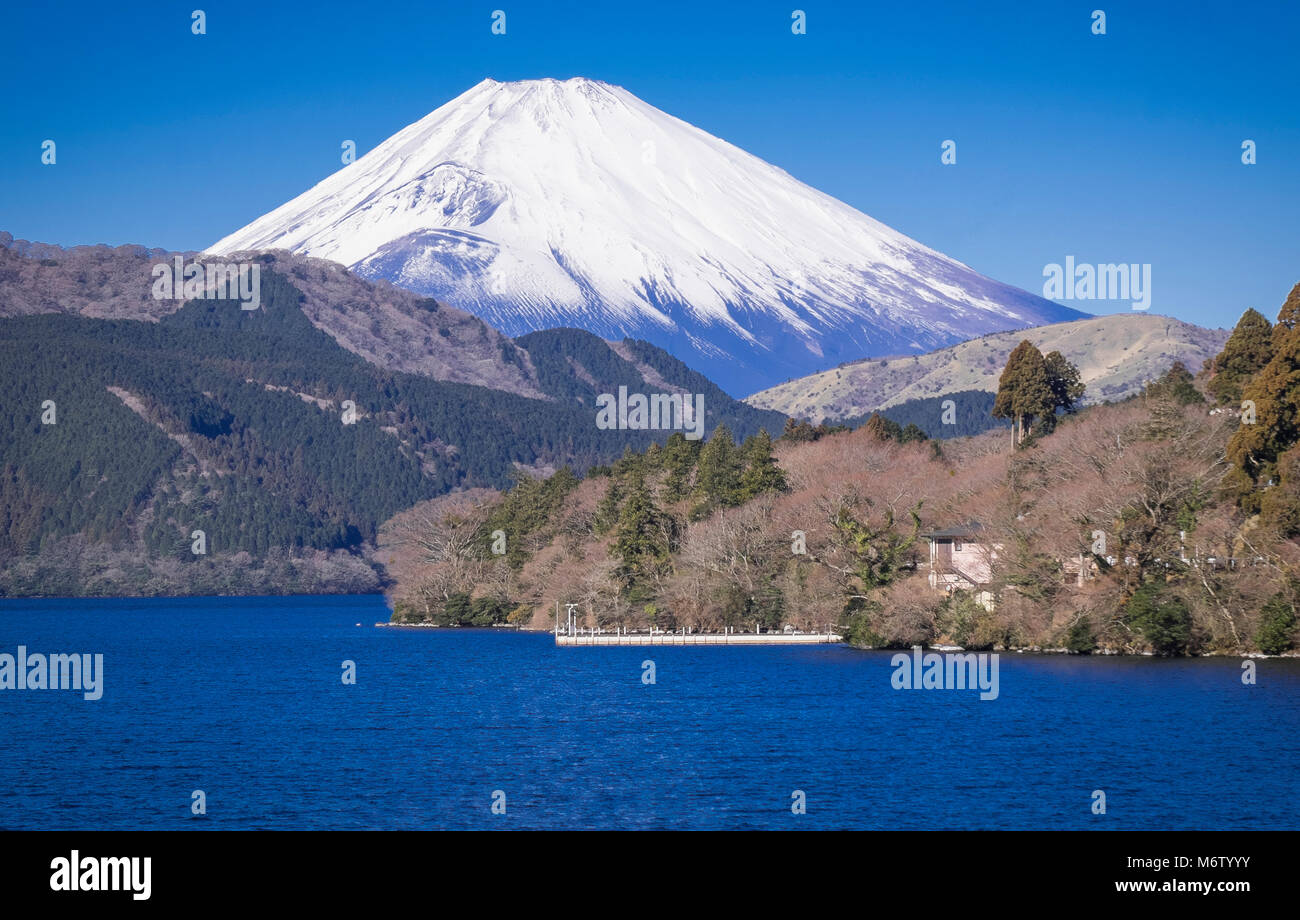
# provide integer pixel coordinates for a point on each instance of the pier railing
(660, 637)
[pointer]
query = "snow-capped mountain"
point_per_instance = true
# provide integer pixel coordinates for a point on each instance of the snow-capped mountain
(546, 203)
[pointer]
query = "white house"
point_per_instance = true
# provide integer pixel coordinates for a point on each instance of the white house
(961, 558)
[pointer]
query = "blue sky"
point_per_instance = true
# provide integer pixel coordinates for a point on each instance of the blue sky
(1117, 148)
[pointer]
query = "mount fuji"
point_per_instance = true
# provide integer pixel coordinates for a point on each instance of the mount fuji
(545, 203)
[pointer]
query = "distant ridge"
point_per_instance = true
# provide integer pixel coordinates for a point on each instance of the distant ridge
(1116, 355)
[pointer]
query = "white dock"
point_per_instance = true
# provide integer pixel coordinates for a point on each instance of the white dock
(667, 638)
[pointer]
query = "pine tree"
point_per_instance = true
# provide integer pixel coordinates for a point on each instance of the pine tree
(1247, 351)
(607, 509)
(644, 541)
(802, 430)
(717, 480)
(1279, 506)
(678, 462)
(912, 432)
(761, 471)
(1161, 617)
(798, 431)
(1175, 385)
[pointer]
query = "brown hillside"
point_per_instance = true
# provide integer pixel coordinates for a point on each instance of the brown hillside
(1116, 355)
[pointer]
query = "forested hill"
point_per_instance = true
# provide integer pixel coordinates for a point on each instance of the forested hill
(132, 435)
(577, 366)
(385, 325)
(971, 414)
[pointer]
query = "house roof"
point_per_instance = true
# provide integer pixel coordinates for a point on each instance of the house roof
(972, 529)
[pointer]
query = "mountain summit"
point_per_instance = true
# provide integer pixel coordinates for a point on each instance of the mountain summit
(545, 203)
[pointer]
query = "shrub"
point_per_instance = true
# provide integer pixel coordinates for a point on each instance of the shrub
(1080, 640)
(859, 632)
(966, 622)
(1161, 618)
(1276, 626)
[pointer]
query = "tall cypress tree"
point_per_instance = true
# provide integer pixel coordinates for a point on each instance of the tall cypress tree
(1246, 353)
(1289, 315)
(1255, 447)
(1024, 389)
(1067, 388)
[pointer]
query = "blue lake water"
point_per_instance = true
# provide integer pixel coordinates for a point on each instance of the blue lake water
(243, 699)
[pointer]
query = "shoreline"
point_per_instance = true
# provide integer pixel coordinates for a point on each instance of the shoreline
(938, 647)
(819, 639)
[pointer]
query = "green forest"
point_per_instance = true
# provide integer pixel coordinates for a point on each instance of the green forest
(554, 353)
(236, 428)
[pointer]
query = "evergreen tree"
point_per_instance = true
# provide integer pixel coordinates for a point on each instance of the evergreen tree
(802, 430)
(1255, 447)
(1247, 351)
(1067, 389)
(1279, 506)
(1175, 385)
(630, 464)
(761, 471)
(1024, 390)
(678, 462)
(911, 432)
(877, 551)
(717, 480)
(644, 540)
(1161, 617)
(798, 430)
(1289, 315)
(607, 509)
(1277, 623)
(886, 429)
(1080, 639)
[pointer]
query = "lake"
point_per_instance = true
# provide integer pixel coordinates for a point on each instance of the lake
(243, 698)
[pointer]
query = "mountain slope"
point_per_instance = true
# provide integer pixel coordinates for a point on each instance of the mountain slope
(576, 367)
(1116, 355)
(544, 203)
(228, 421)
(383, 324)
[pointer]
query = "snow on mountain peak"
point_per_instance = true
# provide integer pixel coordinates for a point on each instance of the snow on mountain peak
(543, 203)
